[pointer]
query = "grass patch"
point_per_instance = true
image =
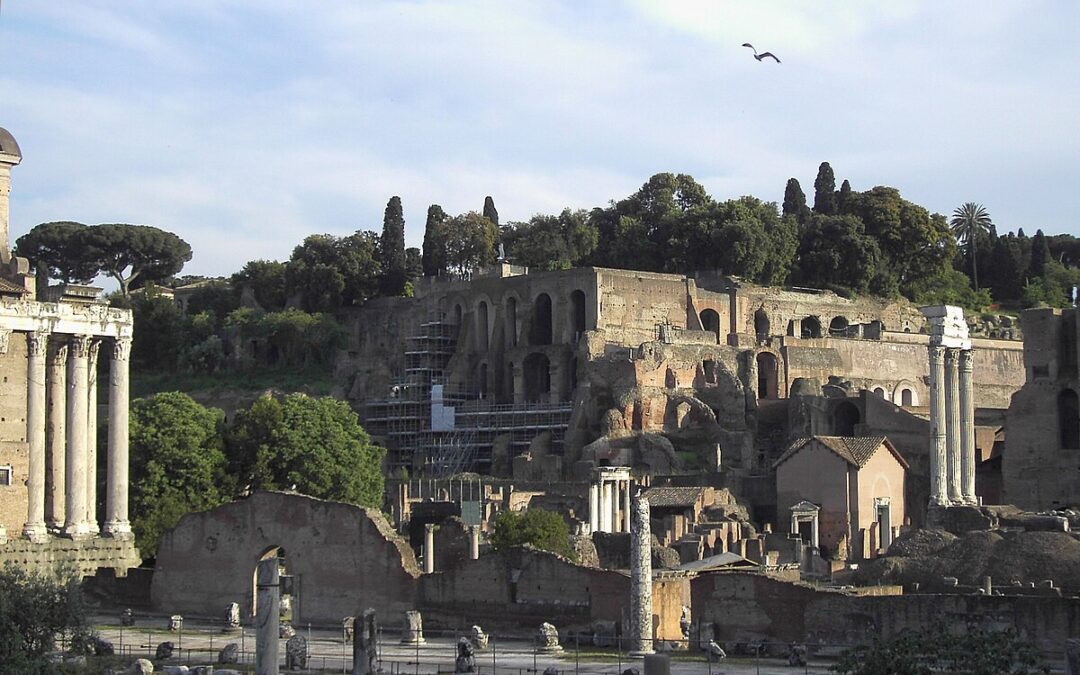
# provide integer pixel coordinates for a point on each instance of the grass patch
(315, 381)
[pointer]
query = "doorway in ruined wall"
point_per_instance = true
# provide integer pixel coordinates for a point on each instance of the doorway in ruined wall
(710, 321)
(838, 327)
(511, 322)
(768, 376)
(290, 602)
(541, 324)
(537, 369)
(810, 328)
(577, 315)
(482, 328)
(761, 325)
(845, 417)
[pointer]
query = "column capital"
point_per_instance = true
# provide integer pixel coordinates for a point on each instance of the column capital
(37, 343)
(94, 348)
(937, 354)
(966, 359)
(80, 346)
(121, 348)
(58, 352)
(950, 356)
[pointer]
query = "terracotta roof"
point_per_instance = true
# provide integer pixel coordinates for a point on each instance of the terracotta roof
(674, 496)
(855, 450)
(8, 287)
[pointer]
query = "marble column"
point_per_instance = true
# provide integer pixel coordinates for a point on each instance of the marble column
(429, 548)
(594, 506)
(952, 423)
(91, 436)
(616, 512)
(967, 431)
(75, 525)
(641, 605)
(605, 506)
(626, 500)
(36, 347)
(267, 616)
(116, 497)
(938, 496)
(56, 432)
(474, 542)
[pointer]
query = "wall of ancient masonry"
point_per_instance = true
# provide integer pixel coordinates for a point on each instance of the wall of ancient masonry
(84, 557)
(14, 451)
(339, 554)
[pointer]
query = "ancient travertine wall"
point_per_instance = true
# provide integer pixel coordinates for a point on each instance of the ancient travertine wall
(341, 557)
(14, 451)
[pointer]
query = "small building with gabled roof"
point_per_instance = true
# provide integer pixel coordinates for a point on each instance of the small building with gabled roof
(857, 485)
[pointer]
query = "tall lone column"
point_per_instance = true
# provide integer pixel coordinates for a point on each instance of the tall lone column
(641, 606)
(967, 431)
(429, 548)
(474, 542)
(627, 520)
(952, 423)
(116, 497)
(91, 437)
(56, 433)
(75, 525)
(267, 616)
(36, 347)
(938, 496)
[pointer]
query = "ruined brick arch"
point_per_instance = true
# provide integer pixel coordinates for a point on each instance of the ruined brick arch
(484, 312)
(811, 327)
(511, 302)
(578, 314)
(537, 373)
(845, 417)
(838, 326)
(710, 321)
(761, 324)
(768, 374)
(542, 328)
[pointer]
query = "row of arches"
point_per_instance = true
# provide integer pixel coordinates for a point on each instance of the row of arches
(541, 324)
(541, 379)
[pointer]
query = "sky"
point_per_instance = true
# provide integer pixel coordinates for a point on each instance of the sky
(245, 125)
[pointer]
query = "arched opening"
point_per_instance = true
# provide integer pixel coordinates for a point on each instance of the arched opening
(482, 326)
(761, 324)
(907, 397)
(541, 323)
(710, 321)
(511, 322)
(1069, 419)
(811, 328)
(577, 314)
(879, 391)
(537, 369)
(845, 417)
(289, 605)
(767, 376)
(838, 327)
(482, 389)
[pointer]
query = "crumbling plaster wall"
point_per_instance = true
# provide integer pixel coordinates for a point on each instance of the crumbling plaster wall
(14, 451)
(340, 555)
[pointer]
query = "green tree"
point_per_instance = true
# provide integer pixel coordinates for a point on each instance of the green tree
(968, 223)
(825, 191)
(266, 279)
(1007, 269)
(795, 202)
(950, 287)
(62, 248)
(546, 530)
(177, 464)
(844, 197)
(159, 331)
(137, 253)
(392, 249)
(470, 243)
(1040, 254)
(433, 256)
(313, 445)
(34, 609)
(551, 242)
(329, 272)
(836, 253)
(490, 212)
(414, 263)
(751, 240)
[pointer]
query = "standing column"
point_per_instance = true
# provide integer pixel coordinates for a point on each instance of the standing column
(429, 548)
(605, 506)
(594, 506)
(626, 500)
(474, 542)
(75, 525)
(952, 423)
(116, 502)
(36, 346)
(267, 616)
(616, 512)
(967, 431)
(91, 437)
(938, 496)
(56, 432)
(641, 606)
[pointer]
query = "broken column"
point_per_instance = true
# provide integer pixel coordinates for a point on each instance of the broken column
(641, 609)
(267, 618)
(365, 645)
(474, 542)
(413, 631)
(429, 548)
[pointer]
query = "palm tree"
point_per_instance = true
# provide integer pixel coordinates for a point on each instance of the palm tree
(968, 223)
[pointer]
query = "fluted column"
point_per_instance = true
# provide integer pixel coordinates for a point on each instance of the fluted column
(36, 347)
(75, 525)
(91, 436)
(938, 495)
(616, 513)
(952, 423)
(56, 432)
(626, 501)
(605, 506)
(967, 430)
(116, 503)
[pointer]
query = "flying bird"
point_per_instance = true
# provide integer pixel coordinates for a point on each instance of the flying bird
(762, 55)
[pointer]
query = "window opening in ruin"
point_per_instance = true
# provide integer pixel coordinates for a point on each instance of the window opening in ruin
(761, 324)
(511, 318)
(906, 397)
(709, 367)
(482, 326)
(537, 378)
(289, 600)
(811, 328)
(1069, 419)
(710, 321)
(879, 391)
(767, 376)
(1067, 358)
(577, 314)
(541, 324)
(838, 327)
(5, 475)
(845, 417)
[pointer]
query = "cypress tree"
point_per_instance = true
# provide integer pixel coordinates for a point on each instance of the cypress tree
(795, 201)
(1040, 254)
(825, 191)
(433, 257)
(489, 210)
(844, 199)
(392, 244)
